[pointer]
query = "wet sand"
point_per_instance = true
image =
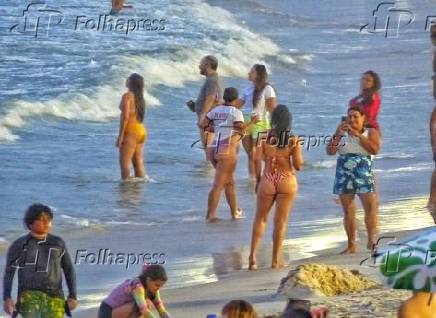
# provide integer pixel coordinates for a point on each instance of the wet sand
(260, 288)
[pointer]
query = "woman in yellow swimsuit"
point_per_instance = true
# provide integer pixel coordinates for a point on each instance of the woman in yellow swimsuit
(132, 134)
(282, 155)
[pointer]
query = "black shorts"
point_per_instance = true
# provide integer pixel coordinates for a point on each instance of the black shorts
(105, 311)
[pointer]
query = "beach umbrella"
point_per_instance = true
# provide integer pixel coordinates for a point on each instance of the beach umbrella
(410, 264)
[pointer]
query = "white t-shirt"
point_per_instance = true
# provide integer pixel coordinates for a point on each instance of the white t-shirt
(247, 97)
(223, 118)
(352, 145)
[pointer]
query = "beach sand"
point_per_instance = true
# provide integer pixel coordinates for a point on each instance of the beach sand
(260, 288)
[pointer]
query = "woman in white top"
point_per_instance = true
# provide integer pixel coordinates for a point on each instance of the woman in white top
(258, 100)
(356, 145)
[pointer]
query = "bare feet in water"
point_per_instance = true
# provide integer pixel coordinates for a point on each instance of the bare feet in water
(252, 263)
(371, 245)
(277, 264)
(349, 250)
(237, 215)
(211, 219)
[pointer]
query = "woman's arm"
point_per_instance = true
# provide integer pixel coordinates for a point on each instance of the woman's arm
(333, 145)
(206, 124)
(270, 104)
(158, 303)
(297, 154)
(138, 293)
(258, 157)
(372, 142)
(239, 126)
(124, 117)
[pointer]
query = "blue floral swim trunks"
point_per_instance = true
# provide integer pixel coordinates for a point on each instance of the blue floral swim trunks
(354, 174)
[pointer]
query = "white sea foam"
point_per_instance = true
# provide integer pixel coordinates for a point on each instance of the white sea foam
(413, 168)
(78, 222)
(395, 156)
(322, 164)
(237, 51)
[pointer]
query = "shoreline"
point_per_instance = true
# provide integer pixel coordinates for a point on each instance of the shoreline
(260, 287)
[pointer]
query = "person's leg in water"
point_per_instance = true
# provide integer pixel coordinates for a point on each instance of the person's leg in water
(266, 193)
(257, 156)
(286, 192)
(138, 161)
(247, 143)
(220, 181)
(127, 151)
(230, 192)
(369, 203)
(349, 208)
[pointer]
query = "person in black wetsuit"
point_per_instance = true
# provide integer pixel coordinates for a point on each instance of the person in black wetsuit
(40, 259)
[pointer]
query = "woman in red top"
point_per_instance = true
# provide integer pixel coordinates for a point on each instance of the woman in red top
(369, 98)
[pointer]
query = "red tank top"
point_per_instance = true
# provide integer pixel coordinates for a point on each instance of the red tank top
(371, 110)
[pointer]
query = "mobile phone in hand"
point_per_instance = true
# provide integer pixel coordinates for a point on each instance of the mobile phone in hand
(191, 105)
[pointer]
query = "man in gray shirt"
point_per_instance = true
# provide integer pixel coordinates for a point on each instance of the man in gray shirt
(210, 95)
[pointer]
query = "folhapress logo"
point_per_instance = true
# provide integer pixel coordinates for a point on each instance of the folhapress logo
(37, 19)
(389, 19)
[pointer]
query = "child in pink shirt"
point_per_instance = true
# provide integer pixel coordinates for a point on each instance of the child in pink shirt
(136, 295)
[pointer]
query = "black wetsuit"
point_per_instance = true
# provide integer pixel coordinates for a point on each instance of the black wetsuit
(40, 264)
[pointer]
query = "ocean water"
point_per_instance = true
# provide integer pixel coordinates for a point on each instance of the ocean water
(59, 95)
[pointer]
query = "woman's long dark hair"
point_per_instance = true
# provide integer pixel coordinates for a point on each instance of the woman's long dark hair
(281, 125)
(367, 94)
(154, 272)
(260, 82)
(136, 86)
